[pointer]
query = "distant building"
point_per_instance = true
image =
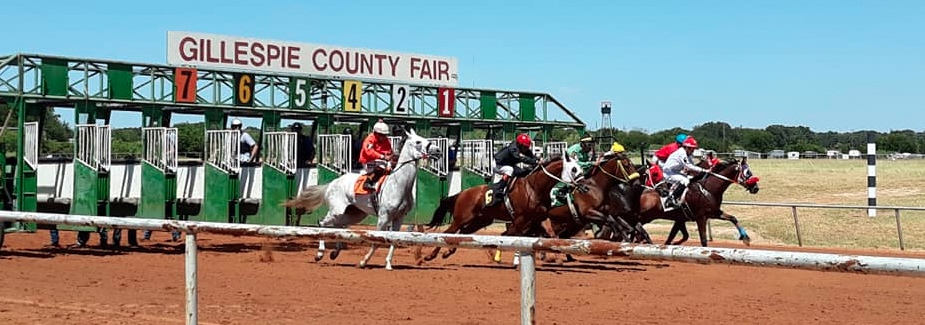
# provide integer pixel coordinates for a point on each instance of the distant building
(854, 154)
(810, 154)
(793, 155)
(777, 154)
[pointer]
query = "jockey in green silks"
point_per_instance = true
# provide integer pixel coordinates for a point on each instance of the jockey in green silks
(583, 153)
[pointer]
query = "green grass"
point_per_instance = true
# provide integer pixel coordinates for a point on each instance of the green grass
(822, 181)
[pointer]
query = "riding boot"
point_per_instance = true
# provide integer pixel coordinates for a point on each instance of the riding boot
(676, 195)
(371, 180)
(500, 191)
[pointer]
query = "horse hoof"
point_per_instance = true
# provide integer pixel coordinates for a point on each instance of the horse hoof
(334, 254)
(747, 241)
(361, 265)
(319, 257)
(388, 267)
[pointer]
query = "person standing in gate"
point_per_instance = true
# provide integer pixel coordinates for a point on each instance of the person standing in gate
(249, 147)
(376, 154)
(305, 149)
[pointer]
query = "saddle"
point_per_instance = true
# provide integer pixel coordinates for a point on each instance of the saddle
(360, 189)
(490, 193)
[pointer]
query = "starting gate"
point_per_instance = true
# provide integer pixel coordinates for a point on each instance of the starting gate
(475, 161)
(91, 173)
(158, 173)
(335, 158)
(278, 179)
(552, 149)
(432, 183)
(222, 169)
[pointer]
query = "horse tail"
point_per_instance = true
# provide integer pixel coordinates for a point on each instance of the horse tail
(310, 199)
(446, 205)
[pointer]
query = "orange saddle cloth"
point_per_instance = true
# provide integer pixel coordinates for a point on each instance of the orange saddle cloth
(359, 189)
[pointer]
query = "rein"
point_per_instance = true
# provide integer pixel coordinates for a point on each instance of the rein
(554, 176)
(626, 176)
(738, 175)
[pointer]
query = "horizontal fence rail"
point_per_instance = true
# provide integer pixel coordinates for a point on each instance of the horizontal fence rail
(796, 218)
(526, 246)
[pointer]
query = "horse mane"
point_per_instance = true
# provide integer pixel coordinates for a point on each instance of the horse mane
(554, 158)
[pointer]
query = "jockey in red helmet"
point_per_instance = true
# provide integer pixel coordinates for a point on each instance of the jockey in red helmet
(506, 162)
(376, 154)
(675, 167)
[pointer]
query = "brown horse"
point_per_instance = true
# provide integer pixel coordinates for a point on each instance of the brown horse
(702, 201)
(529, 197)
(603, 201)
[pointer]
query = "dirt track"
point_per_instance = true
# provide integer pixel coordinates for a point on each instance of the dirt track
(243, 281)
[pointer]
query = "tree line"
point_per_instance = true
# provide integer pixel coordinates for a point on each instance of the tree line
(720, 136)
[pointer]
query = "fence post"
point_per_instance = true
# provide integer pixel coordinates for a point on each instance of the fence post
(527, 288)
(192, 296)
(899, 230)
(871, 174)
(796, 223)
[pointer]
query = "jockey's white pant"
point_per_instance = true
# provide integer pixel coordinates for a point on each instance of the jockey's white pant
(678, 179)
(504, 170)
(374, 165)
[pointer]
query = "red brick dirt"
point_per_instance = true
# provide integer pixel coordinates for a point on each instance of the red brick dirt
(270, 281)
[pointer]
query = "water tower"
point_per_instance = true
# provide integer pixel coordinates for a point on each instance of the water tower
(605, 138)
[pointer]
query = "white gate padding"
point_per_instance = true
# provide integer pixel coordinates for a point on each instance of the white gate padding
(222, 150)
(440, 166)
(31, 144)
(335, 152)
(476, 156)
(281, 151)
(93, 146)
(160, 148)
(551, 149)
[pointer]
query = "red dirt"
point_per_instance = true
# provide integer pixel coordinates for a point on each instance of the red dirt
(244, 281)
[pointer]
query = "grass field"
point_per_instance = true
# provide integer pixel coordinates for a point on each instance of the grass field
(899, 183)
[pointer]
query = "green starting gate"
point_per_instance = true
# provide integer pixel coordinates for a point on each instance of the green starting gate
(278, 179)
(432, 184)
(475, 162)
(91, 173)
(334, 159)
(158, 173)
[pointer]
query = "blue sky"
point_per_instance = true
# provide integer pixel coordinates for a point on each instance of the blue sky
(829, 65)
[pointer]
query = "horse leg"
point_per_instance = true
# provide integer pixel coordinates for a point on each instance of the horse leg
(702, 230)
(326, 222)
(643, 235)
(743, 235)
(674, 231)
(372, 249)
(396, 226)
(451, 230)
(684, 235)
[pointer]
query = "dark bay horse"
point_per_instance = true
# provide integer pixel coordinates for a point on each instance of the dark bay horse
(529, 198)
(603, 203)
(703, 200)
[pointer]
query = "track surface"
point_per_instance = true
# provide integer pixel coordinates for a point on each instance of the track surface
(268, 281)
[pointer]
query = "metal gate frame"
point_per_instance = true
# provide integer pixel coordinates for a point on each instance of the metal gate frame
(334, 152)
(222, 150)
(280, 151)
(160, 148)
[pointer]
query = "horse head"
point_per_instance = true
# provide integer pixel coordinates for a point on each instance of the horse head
(417, 147)
(737, 171)
(571, 170)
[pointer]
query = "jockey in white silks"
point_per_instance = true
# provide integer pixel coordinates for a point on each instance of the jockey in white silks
(675, 167)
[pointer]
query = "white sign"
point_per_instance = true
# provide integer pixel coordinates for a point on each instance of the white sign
(400, 99)
(217, 51)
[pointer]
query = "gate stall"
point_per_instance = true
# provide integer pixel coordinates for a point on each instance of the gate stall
(475, 162)
(158, 173)
(334, 159)
(278, 179)
(91, 173)
(222, 167)
(25, 187)
(553, 149)
(432, 184)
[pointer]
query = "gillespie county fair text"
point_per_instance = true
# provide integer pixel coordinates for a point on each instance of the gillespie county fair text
(224, 51)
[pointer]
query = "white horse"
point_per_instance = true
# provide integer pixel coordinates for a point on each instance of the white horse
(394, 199)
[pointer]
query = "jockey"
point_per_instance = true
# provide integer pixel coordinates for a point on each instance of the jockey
(711, 159)
(662, 154)
(615, 149)
(376, 153)
(583, 153)
(675, 165)
(506, 162)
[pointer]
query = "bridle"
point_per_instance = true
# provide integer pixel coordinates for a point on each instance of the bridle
(739, 178)
(627, 177)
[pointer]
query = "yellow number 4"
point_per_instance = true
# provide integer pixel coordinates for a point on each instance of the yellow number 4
(353, 95)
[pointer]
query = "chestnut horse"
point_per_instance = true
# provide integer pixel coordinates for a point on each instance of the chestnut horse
(529, 197)
(702, 201)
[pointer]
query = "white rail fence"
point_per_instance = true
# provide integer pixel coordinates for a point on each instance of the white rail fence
(796, 218)
(526, 247)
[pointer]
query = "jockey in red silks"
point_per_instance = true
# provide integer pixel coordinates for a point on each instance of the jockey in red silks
(677, 168)
(662, 154)
(711, 160)
(376, 153)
